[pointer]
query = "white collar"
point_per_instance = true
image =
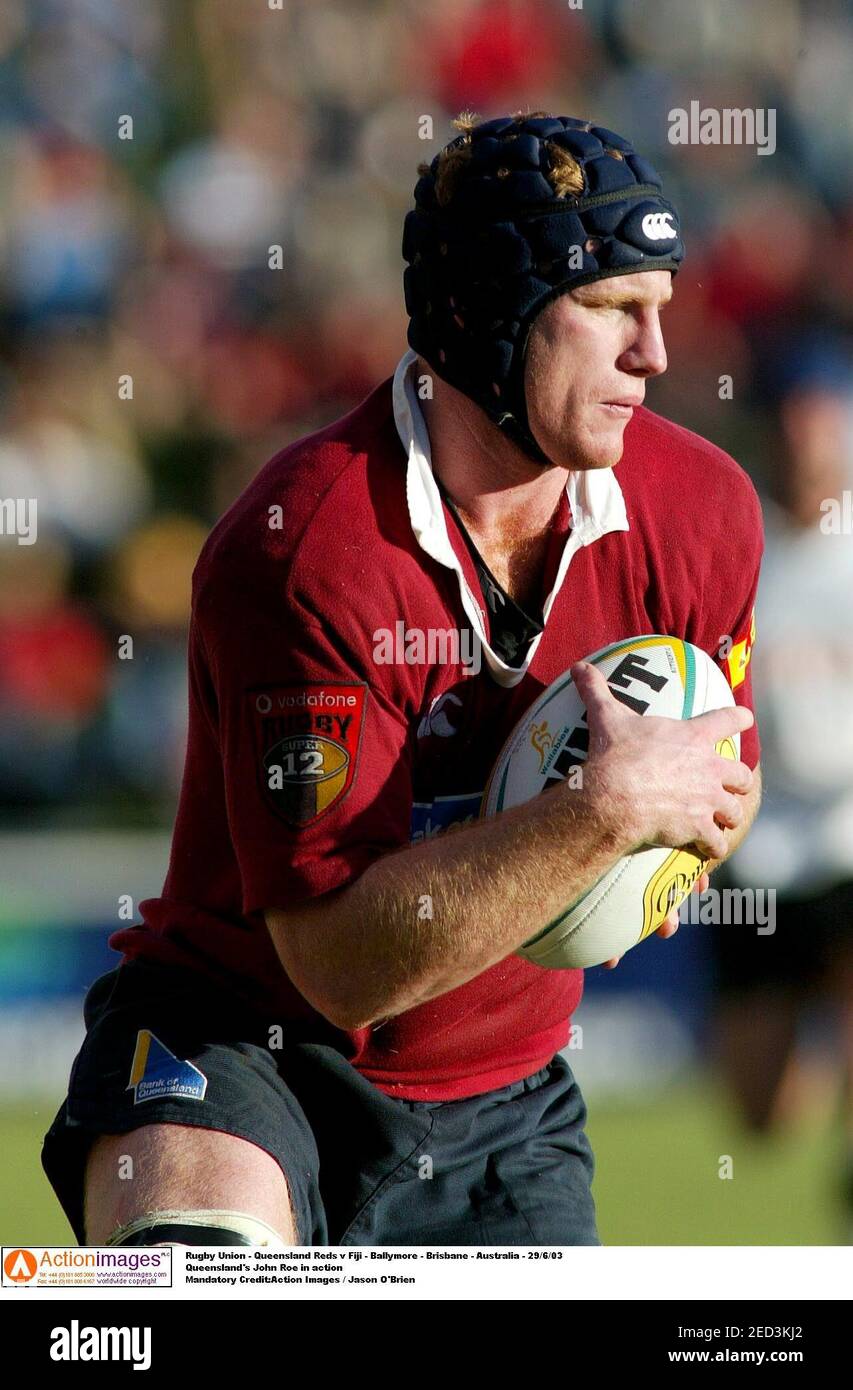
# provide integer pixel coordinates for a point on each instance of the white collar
(595, 498)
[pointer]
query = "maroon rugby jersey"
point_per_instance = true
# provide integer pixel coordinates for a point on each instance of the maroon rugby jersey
(315, 746)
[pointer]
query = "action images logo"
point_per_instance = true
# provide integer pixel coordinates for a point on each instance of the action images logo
(64, 1266)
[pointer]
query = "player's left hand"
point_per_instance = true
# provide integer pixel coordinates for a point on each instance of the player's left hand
(670, 926)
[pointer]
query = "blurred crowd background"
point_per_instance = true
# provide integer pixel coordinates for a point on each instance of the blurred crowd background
(259, 124)
(299, 126)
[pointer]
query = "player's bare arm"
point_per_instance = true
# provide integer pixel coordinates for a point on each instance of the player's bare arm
(363, 954)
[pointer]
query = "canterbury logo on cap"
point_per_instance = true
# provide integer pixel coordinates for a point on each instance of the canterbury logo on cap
(657, 226)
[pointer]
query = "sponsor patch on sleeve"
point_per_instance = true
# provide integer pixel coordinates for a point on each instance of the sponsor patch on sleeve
(739, 656)
(307, 739)
(156, 1072)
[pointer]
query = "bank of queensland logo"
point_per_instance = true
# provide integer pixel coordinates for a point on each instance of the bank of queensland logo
(156, 1072)
(307, 740)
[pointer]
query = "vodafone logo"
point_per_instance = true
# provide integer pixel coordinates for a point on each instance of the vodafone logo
(658, 227)
(20, 1266)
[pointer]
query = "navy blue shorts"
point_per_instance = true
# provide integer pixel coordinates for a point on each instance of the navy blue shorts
(507, 1167)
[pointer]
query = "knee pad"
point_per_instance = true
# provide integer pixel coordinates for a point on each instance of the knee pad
(217, 1228)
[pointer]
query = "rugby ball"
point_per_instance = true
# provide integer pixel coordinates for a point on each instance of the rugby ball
(656, 675)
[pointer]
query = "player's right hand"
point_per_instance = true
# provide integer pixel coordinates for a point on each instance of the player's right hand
(661, 781)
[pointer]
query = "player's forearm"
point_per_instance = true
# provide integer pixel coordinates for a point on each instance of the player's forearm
(426, 919)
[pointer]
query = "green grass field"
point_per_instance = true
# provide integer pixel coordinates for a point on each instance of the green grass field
(656, 1182)
(657, 1176)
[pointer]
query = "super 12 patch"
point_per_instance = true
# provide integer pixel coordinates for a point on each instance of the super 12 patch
(307, 739)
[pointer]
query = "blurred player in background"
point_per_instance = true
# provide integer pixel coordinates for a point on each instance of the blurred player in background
(774, 985)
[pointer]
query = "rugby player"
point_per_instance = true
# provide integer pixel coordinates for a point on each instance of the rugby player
(320, 1032)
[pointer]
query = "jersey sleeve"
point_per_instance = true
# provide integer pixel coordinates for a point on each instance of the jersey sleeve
(315, 756)
(736, 666)
(730, 627)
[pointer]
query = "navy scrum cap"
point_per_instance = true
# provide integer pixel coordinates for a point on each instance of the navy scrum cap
(512, 213)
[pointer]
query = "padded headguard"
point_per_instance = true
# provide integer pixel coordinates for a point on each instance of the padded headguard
(512, 213)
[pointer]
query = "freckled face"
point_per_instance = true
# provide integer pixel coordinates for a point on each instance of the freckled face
(588, 357)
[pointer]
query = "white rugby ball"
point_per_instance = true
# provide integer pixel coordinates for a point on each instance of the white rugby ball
(656, 675)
